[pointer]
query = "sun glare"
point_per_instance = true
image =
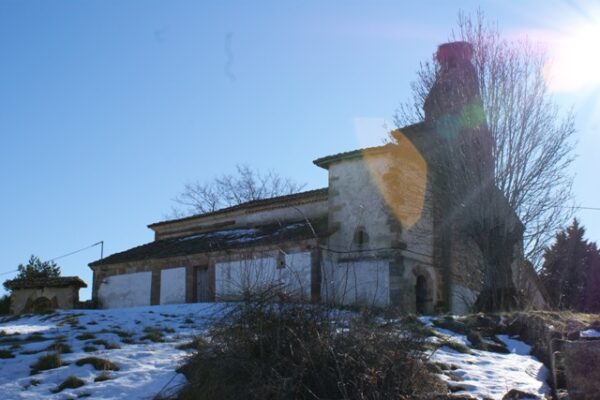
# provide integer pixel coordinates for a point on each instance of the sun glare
(575, 62)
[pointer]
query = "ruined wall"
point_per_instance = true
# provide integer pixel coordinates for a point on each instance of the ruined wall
(62, 297)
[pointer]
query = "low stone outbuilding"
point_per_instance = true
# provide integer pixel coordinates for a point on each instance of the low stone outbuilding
(43, 294)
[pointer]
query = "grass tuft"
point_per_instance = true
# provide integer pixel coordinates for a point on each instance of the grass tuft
(6, 354)
(46, 362)
(90, 348)
(104, 376)
(153, 334)
(72, 382)
(85, 336)
(100, 364)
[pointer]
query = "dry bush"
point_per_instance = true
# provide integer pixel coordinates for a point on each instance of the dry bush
(268, 349)
(72, 382)
(46, 362)
(100, 364)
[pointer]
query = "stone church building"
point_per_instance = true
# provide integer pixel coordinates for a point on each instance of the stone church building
(416, 224)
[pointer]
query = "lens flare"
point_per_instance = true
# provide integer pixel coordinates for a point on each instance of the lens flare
(403, 182)
(576, 60)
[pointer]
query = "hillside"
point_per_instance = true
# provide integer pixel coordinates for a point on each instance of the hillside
(141, 348)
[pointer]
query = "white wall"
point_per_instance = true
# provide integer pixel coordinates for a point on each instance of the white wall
(172, 286)
(297, 273)
(128, 290)
(462, 299)
(232, 278)
(360, 282)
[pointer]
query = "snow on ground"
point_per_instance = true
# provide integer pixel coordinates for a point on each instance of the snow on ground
(485, 374)
(145, 367)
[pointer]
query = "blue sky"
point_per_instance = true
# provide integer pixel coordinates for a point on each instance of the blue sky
(108, 107)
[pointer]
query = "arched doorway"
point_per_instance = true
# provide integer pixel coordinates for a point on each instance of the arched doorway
(40, 305)
(421, 294)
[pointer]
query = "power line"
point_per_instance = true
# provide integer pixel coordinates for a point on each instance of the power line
(78, 251)
(101, 243)
(585, 208)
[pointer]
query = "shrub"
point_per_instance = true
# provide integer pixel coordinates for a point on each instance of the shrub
(98, 363)
(72, 382)
(261, 349)
(45, 362)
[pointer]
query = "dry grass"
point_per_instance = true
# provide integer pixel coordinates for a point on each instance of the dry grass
(104, 376)
(72, 382)
(6, 354)
(100, 364)
(46, 362)
(263, 350)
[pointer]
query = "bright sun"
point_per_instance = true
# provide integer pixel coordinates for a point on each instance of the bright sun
(575, 63)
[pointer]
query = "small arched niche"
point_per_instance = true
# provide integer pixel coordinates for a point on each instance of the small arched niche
(361, 237)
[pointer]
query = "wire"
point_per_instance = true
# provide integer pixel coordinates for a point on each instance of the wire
(57, 258)
(75, 252)
(585, 208)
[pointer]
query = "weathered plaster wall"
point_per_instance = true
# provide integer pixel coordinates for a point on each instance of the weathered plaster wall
(128, 290)
(62, 297)
(297, 273)
(362, 282)
(172, 285)
(252, 274)
(356, 201)
(232, 278)
(467, 267)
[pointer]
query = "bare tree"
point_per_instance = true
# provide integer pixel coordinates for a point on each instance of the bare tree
(532, 142)
(227, 190)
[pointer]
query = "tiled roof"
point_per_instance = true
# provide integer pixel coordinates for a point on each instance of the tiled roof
(324, 162)
(218, 240)
(316, 193)
(62, 281)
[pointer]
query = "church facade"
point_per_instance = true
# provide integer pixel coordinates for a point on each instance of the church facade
(398, 225)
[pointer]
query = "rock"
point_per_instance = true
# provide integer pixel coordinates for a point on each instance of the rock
(515, 394)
